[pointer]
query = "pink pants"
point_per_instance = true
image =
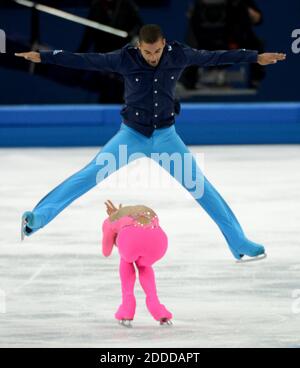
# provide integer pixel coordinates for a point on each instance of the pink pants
(144, 246)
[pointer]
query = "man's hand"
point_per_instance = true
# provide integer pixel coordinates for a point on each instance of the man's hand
(270, 58)
(33, 56)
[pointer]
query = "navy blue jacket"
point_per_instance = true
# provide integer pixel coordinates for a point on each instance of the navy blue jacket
(149, 91)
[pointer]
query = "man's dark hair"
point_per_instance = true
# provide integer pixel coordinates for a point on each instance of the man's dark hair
(150, 33)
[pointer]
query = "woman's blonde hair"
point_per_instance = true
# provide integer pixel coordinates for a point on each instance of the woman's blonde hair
(142, 213)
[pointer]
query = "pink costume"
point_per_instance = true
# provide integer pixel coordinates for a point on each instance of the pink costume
(144, 245)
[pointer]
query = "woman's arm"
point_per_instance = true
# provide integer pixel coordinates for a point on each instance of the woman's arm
(108, 238)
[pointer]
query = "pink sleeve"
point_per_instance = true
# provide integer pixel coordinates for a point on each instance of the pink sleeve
(109, 237)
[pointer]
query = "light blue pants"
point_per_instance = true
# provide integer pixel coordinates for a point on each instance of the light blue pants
(164, 140)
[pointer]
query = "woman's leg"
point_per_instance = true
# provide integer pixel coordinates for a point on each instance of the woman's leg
(125, 143)
(183, 170)
(127, 275)
(147, 280)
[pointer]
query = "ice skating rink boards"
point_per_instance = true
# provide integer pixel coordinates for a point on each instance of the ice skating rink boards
(94, 125)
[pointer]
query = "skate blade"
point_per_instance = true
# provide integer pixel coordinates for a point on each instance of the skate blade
(165, 322)
(125, 323)
(23, 225)
(254, 259)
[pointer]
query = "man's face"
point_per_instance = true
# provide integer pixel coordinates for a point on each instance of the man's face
(152, 52)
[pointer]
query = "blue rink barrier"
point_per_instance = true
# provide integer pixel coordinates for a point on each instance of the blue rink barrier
(198, 124)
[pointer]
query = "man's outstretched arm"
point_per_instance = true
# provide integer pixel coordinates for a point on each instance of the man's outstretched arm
(110, 61)
(223, 57)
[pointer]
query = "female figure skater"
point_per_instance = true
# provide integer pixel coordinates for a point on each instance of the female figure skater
(136, 232)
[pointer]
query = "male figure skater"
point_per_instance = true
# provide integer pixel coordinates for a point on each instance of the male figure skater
(150, 72)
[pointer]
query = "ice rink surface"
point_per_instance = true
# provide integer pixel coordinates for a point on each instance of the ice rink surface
(57, 290)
